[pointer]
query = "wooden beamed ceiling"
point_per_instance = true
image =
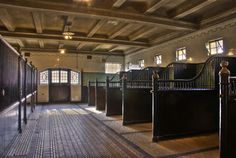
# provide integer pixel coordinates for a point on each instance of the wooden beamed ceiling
(114, 27)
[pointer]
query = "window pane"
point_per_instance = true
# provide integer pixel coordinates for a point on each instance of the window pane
(64, 77)
(158, 59)
(74, 77)
(181, 54)
(216, 47)
(43, 77)
(141, 63)
(112, 68)
(55, 76)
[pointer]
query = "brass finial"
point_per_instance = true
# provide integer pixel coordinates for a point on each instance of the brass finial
(224, 70)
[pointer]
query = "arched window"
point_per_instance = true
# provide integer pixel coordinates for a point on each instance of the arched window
(59, 76)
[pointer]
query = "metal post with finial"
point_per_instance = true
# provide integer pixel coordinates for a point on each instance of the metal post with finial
(155, 121)
(224, 76)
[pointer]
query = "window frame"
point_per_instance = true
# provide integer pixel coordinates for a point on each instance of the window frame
(40, 81)
(217, 47)
(113, 64)
(183, 55)
(78, 78)
(160, 59)
(141, 63)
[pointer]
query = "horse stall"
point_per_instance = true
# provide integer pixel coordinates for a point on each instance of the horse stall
(227, 112)
(187, 106)
(100, 99)
(18, 82)
(113, 98)
(91, 93)
(136, 102)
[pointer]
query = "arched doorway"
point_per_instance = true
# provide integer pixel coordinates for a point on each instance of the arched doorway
(63, 84)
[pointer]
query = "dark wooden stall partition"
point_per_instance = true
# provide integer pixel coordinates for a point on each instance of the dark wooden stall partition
(136, 102)
(187, 106)
(14, 91)
(113, 98)
(91, 93)
(100, 96)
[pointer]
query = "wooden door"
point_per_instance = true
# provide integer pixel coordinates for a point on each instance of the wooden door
(59, 87)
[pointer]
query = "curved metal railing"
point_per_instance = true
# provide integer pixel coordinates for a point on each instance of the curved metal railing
(205, 79)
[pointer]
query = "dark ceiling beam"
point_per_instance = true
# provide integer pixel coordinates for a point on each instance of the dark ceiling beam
(95, 28)
(157, 5)
(118, 3)
(7, 20)
(122, 30)
(80, 39)
(89, 12)
(46, 50)
(38, 21)
(189, 8)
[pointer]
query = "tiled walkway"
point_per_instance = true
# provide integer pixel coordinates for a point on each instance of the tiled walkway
(72, 131)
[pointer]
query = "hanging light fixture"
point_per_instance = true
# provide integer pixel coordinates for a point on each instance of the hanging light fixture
(68, 35)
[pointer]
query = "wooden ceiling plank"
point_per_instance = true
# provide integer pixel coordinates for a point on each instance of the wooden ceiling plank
(140, 35)
(7, 20)
(68, 23)
(97, 26)
(132, 50)
(38, 21)
(113, 48)
(41, 44)
(81, 39)
(118, 3)
(97, 47)
(218, 17)
(122, 30)
(193, 9)
(80, 46)
(157, 5)
(98, 13)
(20, 43)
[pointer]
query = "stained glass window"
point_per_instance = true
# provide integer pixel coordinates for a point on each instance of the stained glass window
(74, 77)
(64, 76)
(55, 76)
(43, 77)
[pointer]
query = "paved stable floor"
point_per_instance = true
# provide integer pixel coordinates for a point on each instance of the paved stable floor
(81, 131)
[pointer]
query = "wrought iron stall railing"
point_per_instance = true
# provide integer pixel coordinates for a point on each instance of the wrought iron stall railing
(18, 83)
(227, 105)
(191, 103)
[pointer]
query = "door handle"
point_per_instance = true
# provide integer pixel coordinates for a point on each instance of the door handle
(3, 92)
